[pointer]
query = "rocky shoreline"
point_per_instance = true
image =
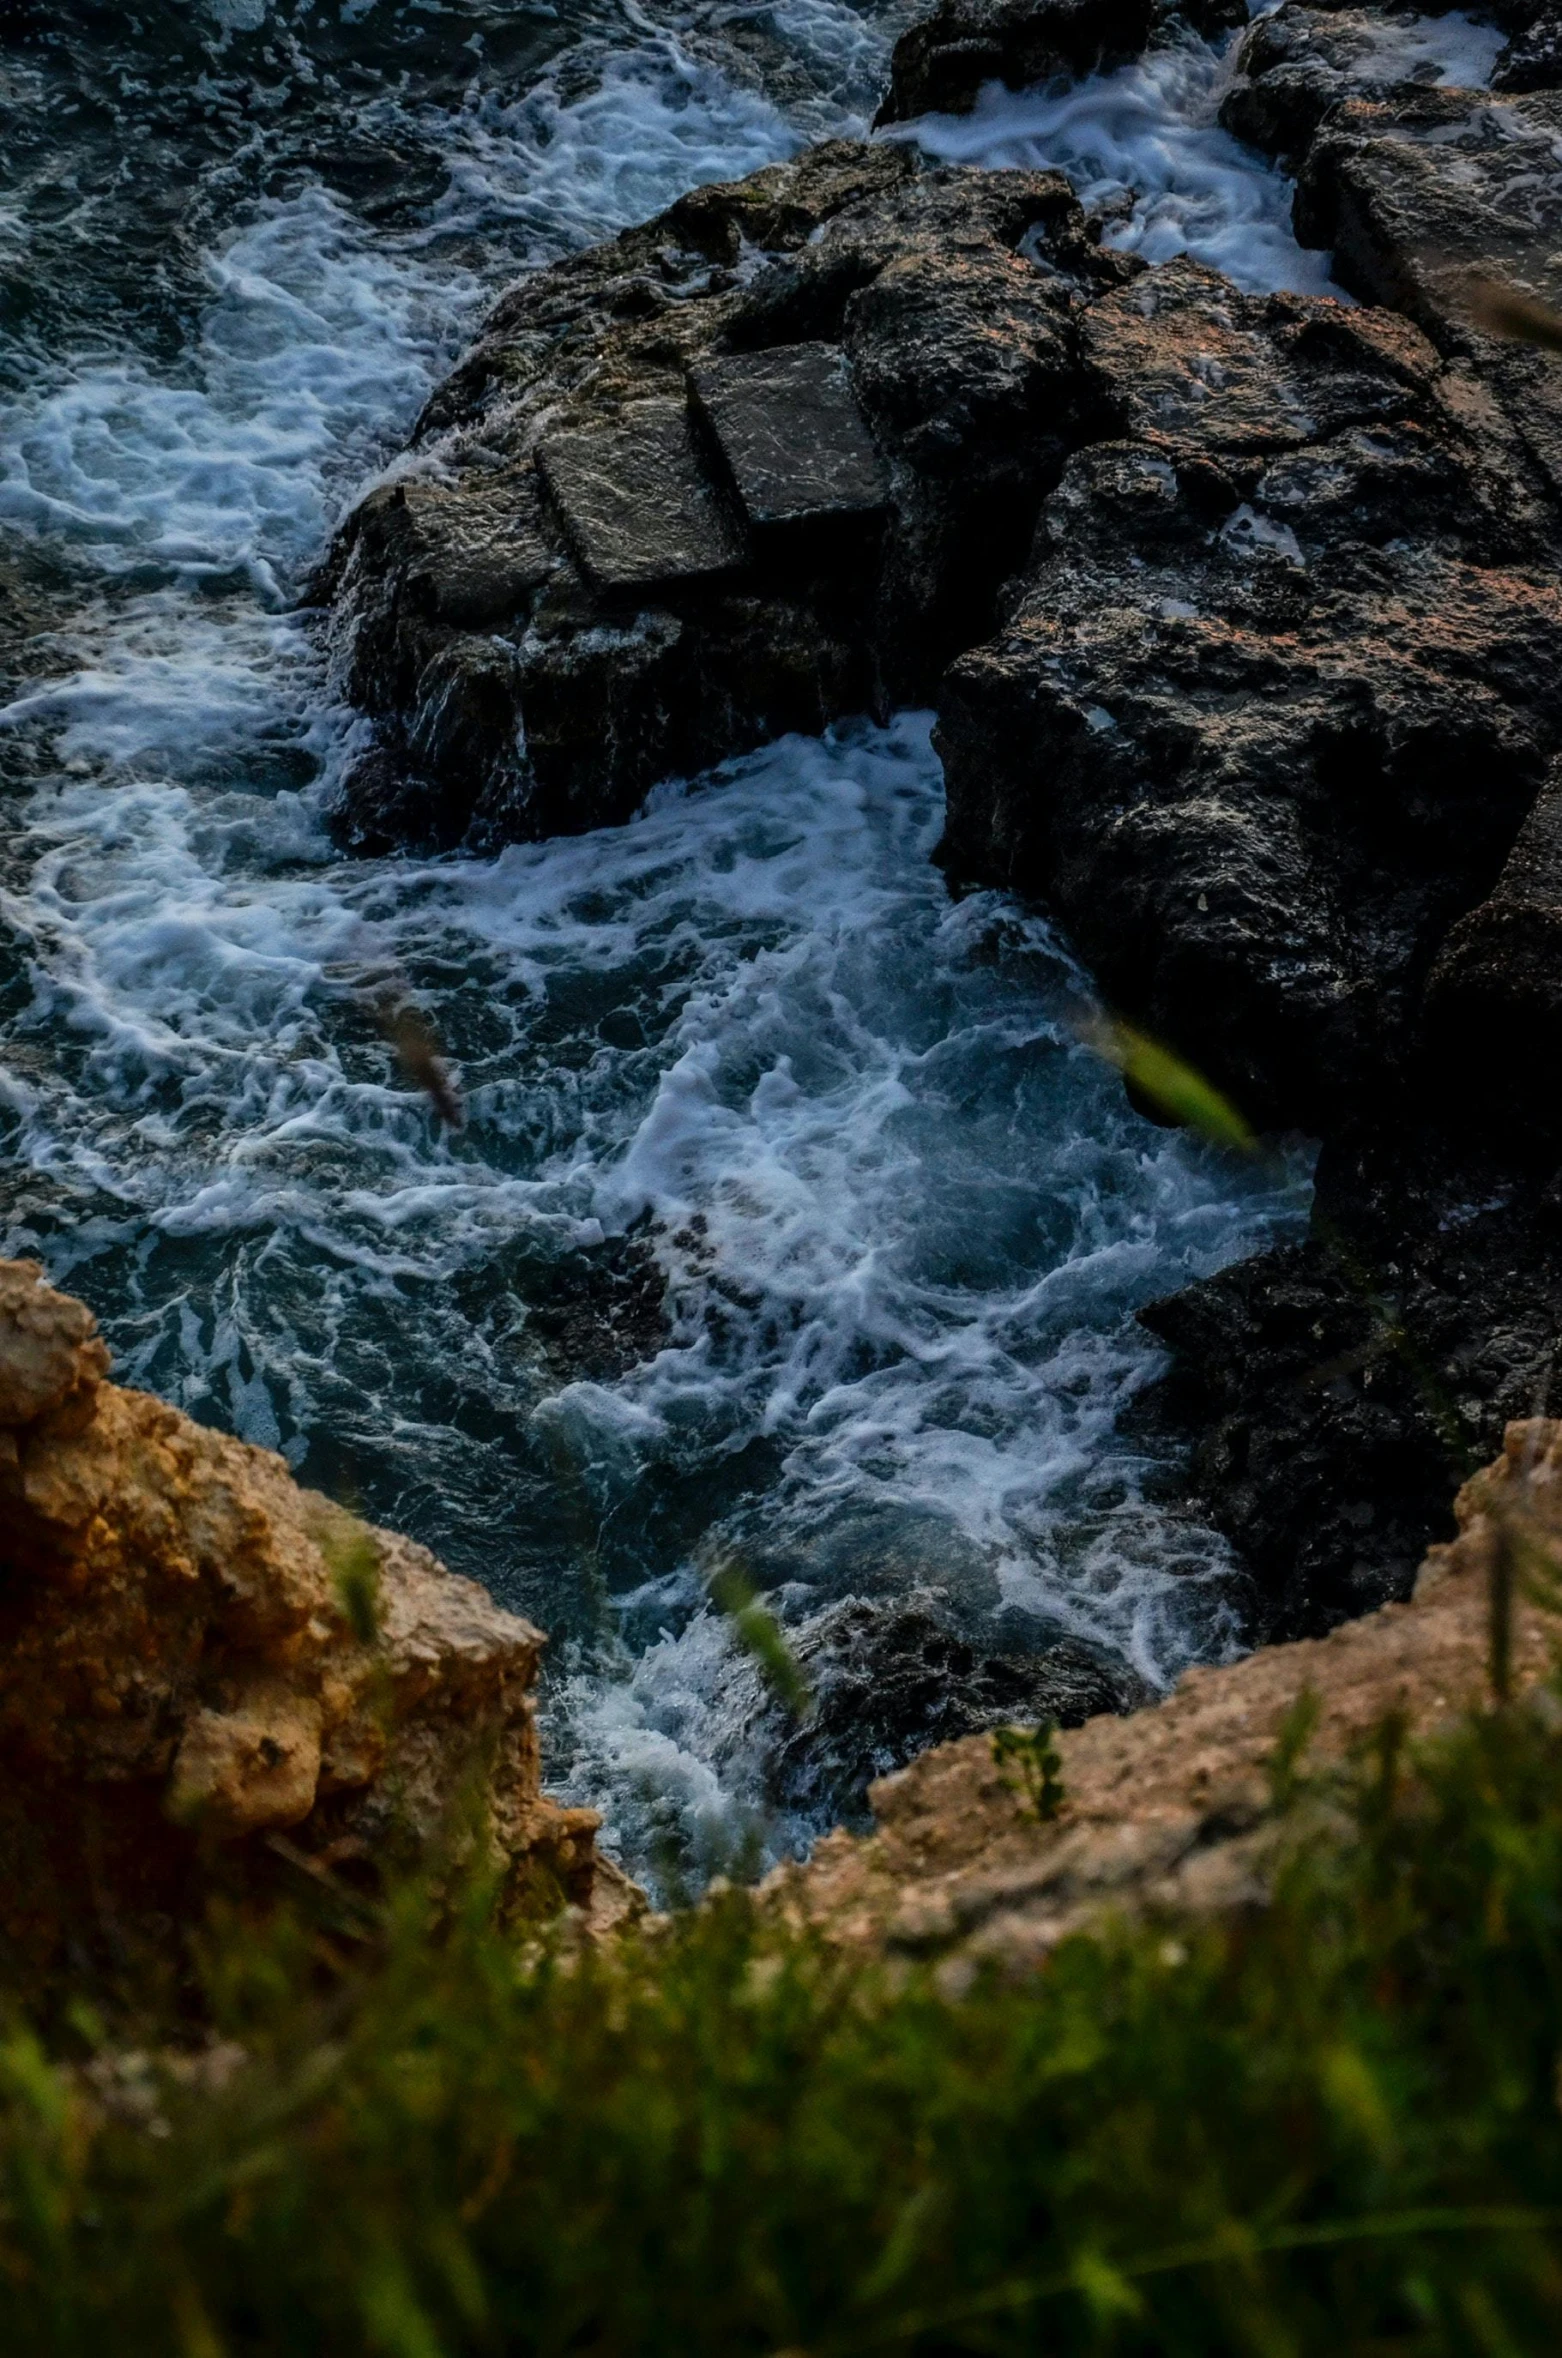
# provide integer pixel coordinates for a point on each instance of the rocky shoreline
(1241, 615)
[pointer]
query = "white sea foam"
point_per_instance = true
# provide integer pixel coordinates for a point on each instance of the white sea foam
(1144, 141)
(1450, 51)
(550, 171)
(1143, 144)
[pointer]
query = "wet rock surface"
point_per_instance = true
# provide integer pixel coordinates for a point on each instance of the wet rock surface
(888, 1680)
(129, 138)
(1276, 694)
(946, 55)
(758, 464)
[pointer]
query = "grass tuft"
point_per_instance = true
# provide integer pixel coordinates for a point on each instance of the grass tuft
(1329, 2125)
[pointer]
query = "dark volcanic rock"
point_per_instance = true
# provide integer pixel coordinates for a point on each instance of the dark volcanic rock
(1494, 998)
(890, 1680)
(1533, 58)
(1262, 728)
(942, 60)
(791, 436)
(1423, 193)
(1339, 1388)
(1298, 62)
(1277, 693)
(761, 463)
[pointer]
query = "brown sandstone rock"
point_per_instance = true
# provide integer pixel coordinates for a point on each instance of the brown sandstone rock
(196, 1655)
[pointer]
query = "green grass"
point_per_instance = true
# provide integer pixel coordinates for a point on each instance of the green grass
(1330, 2126)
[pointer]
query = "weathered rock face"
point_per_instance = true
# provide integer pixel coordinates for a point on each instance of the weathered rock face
(1336, 1388)
(758, 464)
(1277, 693)
(1299, 61)
(200, 1659)
(1418, 193)
(1243, 620)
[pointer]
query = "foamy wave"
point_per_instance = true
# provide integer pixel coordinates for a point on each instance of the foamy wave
(901, 1219)
(1143, 144)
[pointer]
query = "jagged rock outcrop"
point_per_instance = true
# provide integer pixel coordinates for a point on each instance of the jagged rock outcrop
(1173, 1808)
(200, 1662)
(758, 464)
(1335, 1387)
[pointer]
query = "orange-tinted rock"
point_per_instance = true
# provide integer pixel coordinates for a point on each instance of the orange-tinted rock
(196, 1654)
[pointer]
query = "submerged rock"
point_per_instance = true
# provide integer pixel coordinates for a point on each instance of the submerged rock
(202, 1660)
(890, 1678)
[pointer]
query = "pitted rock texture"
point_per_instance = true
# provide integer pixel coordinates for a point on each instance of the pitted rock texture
(1277, 693)
(763, 462)
(200, 1659)
(1298, 62)
(1421, 195)
(1173, 1808)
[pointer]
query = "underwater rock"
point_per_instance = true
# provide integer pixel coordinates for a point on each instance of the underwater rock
(199, 1658)
(889, 1678)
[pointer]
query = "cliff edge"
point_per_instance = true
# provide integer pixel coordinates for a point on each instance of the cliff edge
(207, 1673)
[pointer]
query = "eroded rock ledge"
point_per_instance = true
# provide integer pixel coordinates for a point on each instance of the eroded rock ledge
(208, 1672)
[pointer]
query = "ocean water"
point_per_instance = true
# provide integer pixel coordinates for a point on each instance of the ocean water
(1143, 144)
(791, 1222)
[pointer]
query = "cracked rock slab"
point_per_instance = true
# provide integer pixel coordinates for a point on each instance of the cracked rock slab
(792, 435)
